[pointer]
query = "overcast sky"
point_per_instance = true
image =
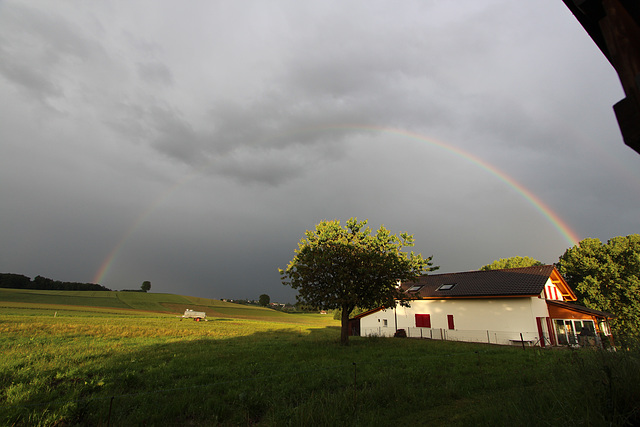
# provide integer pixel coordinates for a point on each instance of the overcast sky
(191, 144)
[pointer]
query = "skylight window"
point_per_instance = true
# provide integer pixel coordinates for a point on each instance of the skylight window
(415, 288)
(446, 287)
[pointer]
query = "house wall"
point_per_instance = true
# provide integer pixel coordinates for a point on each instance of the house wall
(495, 320)
(551, 292)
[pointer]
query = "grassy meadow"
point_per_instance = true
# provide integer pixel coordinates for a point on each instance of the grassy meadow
(129, 360)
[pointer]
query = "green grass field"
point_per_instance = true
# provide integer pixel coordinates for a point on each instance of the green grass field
(98, 301)
(97, 364)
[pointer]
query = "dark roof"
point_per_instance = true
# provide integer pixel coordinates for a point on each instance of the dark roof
(508, 282)
(580, 308)
(366, 313)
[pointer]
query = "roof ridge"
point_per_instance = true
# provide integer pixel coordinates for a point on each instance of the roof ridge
(487, 271)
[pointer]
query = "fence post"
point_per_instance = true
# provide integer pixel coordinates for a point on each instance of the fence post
(110, 406)
(522, 340)
(488, 337)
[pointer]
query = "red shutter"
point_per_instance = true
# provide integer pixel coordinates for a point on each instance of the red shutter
(450, 321)
(540, 331)
(423, 320)
(552, 331)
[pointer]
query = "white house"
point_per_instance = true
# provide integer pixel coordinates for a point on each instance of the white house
(530, 304)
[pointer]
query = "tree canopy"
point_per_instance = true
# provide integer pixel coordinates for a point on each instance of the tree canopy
(513, 262)
(146, 285)
(337, 267)
(18, 281)
(264, 300)
(606, 277)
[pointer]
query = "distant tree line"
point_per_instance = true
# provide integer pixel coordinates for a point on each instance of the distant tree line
(146, 285)
(243, 301)
(19, 281)
(263, 302)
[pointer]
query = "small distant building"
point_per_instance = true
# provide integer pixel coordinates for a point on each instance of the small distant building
(530, 305)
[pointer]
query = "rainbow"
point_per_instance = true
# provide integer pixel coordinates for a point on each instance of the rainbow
(569, 235)
(106, 263)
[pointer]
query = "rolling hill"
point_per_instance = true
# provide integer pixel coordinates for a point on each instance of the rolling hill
(123, 302)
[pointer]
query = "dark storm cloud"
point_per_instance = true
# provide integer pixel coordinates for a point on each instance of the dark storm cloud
(408, 78)
(323, 82)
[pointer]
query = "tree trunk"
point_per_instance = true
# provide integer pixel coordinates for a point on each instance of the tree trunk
(344, 332)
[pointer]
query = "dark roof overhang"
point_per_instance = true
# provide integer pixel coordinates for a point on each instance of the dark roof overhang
(582, 309)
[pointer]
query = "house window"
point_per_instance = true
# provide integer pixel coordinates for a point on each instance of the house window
(604, 327)
(415, 288)
(561, 331)
(384, 323)
(569, 331)
(423, 320)
(590, 328)
(450, 321)
(446, 287)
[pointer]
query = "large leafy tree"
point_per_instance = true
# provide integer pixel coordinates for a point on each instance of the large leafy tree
(338, 267)
(513, 262)
(264, 300)
(607, 277)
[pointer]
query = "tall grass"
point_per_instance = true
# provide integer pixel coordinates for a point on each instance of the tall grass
(598, 388)
(158, 370)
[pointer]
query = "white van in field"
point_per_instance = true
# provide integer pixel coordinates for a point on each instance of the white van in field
(195, 315)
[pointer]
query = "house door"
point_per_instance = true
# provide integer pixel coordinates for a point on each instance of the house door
(354, 327)
(563, 332)
(571, 334)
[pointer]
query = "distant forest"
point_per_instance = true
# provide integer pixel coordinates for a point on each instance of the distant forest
(18, 281)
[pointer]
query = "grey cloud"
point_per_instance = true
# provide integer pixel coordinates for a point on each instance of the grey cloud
(155, 72)
(48, 33)
(34, 45)
(129, 120)
(174, 135)
(363, 79)
(272, 167)
(284, 120)
(324, 82)
(35, 81)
